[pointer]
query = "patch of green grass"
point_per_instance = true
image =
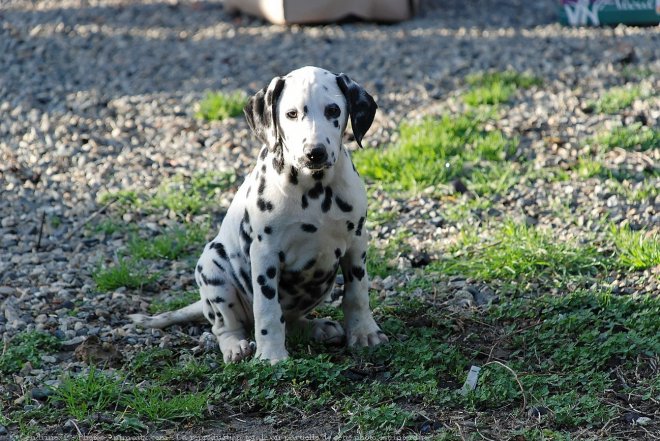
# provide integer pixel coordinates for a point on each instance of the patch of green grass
(616, 99)
(435, 151)
(171, 244)
(589, 167)
(633, 137)
(111, 225)
(464, 208)
(517, 252)
(87, 394)
(561, 349)
(217, 106)
(185, 299)
(27, 347)
(188, 196)
(125, 199)
(125, 272)
(574, 354)
(496, 87)
(635, 250)
(497, 178)
(181, 194)
(646, 190)
(157, 404)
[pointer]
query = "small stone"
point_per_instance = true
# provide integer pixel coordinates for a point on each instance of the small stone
(48, 359)
(41, 393)
(7, 291)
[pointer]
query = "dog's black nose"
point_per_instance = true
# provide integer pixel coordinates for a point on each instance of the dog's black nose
(317, 154)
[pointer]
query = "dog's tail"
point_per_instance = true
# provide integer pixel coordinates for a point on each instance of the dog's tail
(190, 313)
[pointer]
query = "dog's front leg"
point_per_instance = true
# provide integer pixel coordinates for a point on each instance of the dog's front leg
(361, 328)
(269, 326)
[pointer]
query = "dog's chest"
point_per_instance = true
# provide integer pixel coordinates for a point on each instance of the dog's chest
(310, 227)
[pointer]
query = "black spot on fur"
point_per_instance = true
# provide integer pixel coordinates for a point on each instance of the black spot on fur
(358, 272)
(211, 316)
(350, 225)
(293, 176)
(261, 280)
(268, 292)
(262, 185)
(281, 256)
(343, 205)
(220, 249)
(304, 204)
(309, 228)
(263, 169)
(230, 305)
(219, 300)
(246, 217)
(337, 253)
(264, 205)
(358, 231)
(327, 140)
(264, 151)
(278, 164)
(336, 123)
(245, 235)
(264, 332)
(282, 319)
(364, 256)
(271, 272)
(246, 279)
(199, 268)
(310, 264)
(216, 263)
(327, 201)
(316, 191)
(305, 109)
(318, 175)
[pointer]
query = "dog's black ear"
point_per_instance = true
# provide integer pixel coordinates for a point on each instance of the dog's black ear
(261, 112)
(361, 106)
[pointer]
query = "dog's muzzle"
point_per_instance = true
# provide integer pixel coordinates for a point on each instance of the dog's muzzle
(316, 155)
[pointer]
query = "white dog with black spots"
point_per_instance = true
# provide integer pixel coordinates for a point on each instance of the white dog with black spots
(298, 217)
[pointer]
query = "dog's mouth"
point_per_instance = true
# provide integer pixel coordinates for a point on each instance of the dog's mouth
(313, 167)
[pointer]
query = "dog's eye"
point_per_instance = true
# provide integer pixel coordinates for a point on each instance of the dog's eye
(332, 111)
(292, 114)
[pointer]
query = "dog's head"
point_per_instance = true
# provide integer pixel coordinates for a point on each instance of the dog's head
(304, 114)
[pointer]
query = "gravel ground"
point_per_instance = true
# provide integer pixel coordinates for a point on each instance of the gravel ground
(97, 96)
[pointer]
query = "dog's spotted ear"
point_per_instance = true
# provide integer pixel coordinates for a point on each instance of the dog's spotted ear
(361, 106)
(261, 112)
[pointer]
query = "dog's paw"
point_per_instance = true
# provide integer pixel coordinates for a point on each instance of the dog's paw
(271, 354)
(365, 333)
(327, 331)
(235, 348)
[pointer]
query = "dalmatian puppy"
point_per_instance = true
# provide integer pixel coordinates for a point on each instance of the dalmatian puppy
(297, 218)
